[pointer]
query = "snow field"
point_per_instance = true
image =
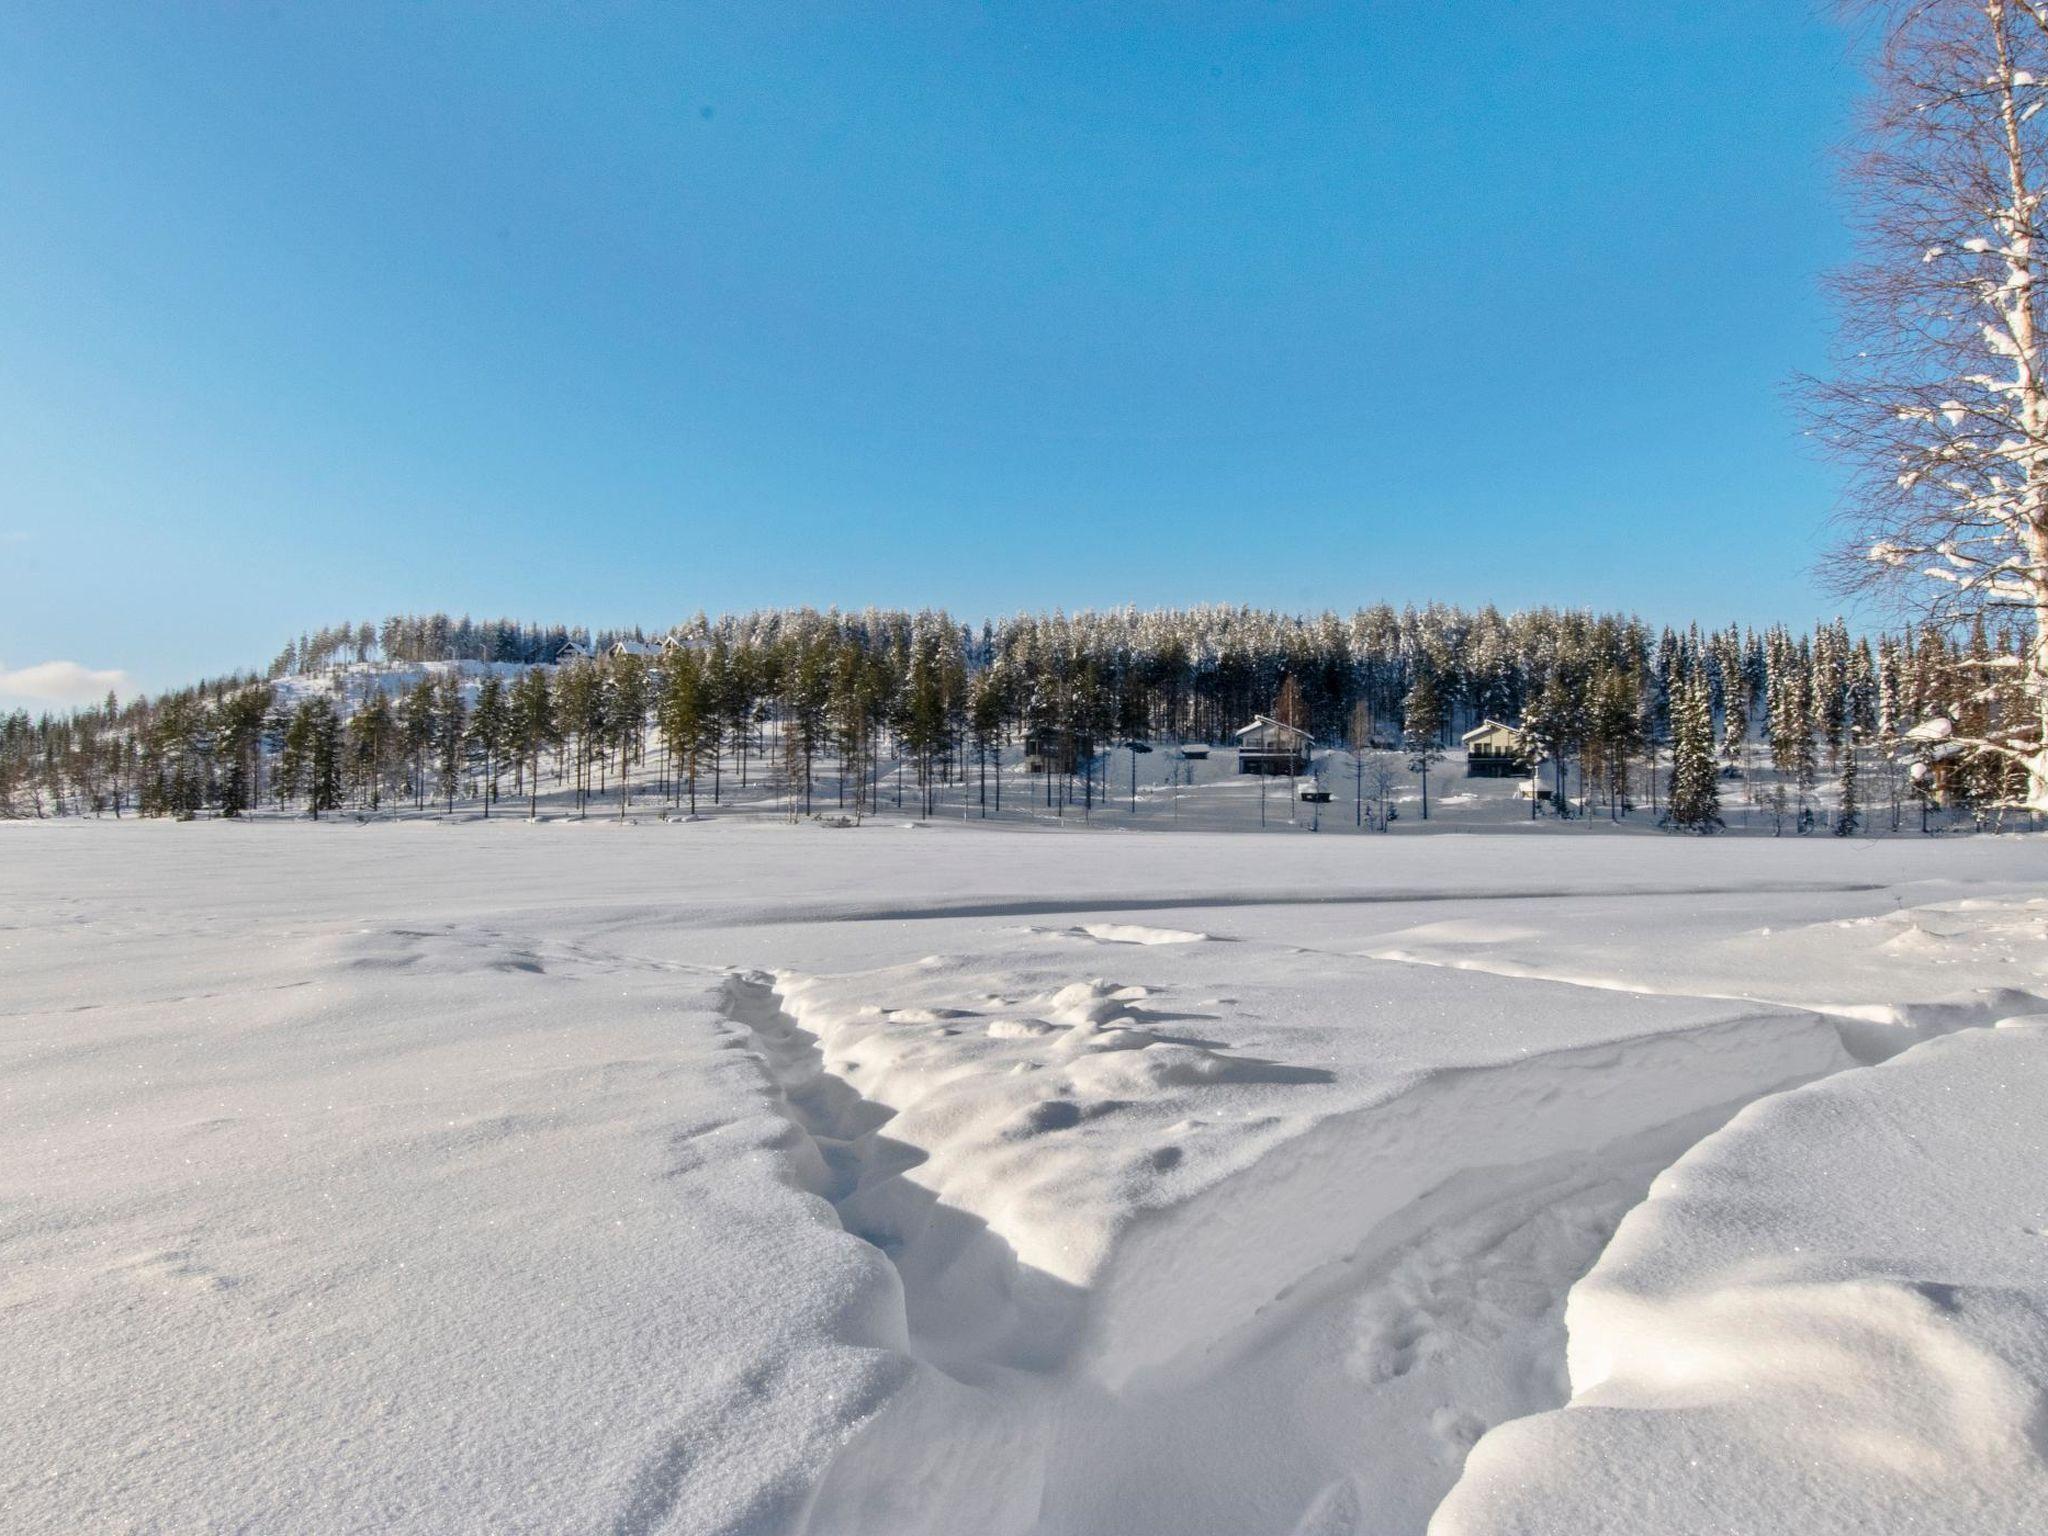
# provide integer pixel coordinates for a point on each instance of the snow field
(354, 1227)
(724, 1178)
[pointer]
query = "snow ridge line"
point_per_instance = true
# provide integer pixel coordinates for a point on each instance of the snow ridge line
(784, 914)
(837, 1122)
(1870, 1032)
(842, 1158)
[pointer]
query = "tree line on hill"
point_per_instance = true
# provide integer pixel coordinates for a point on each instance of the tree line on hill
(822, 701)
(411, 638)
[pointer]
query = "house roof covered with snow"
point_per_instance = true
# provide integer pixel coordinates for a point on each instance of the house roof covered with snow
(1491, 730)
(1264, 729)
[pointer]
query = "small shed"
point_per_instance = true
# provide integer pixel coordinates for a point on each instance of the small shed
(1494, 751)
(1273, 746)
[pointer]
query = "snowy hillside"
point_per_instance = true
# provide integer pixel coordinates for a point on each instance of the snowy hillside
(741, 1177)
(1163, 786)
(1150, 718)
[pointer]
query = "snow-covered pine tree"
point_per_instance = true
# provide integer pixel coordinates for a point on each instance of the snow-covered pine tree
(1422, 723)
(579, 702)
(416, 734)
(450, 732)
(239, 746)
(1547, 730)
(1790, 721)
(324, 790)
(489, 729)
(1849, 807)
(372, 734)
(1695, 785)
(531, 713)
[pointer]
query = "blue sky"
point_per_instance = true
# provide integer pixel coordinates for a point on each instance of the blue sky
(607, 314)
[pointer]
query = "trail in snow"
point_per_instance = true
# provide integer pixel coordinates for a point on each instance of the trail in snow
(1393, 1274)
(1393, 1319)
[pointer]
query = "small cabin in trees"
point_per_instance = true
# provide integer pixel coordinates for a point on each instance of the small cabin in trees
(1273, 746)
(1494, 751)
(1048, 749)
(571, 650)
(638, 648)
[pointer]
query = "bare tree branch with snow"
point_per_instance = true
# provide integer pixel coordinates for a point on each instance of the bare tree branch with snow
(1940, 402)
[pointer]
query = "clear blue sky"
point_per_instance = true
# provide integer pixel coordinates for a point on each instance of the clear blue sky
(609, 313)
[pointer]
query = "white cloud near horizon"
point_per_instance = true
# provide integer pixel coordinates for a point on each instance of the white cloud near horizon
(63, 682)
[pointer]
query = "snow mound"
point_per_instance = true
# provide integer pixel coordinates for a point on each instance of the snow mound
(1831, 1317)
(1137, 933)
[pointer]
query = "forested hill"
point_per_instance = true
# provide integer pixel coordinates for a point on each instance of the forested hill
(1596, 688)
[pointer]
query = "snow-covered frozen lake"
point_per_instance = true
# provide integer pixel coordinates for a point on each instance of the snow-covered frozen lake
(728, 1177)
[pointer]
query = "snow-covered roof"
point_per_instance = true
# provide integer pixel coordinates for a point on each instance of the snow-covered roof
(1488, 728)
(634, 648)
(1268, 724)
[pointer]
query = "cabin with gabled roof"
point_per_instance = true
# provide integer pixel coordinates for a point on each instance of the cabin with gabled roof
(1495, 751)
(1273, 746)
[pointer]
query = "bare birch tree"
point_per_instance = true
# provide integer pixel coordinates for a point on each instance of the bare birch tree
(1940, 403)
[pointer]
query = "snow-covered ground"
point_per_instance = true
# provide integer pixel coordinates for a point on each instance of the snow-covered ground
(743, 1177)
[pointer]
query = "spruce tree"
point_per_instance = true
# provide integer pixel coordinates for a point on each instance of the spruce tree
(416, 732)
(533, 729)
(625, 712)
(1695, 789)
(372, 733)
(1422, 723)
(449, 735)
(323, 791)
(680, 717)
(489, 727)
(293, 763)
(1547, 730)
(579, 700)
(240, 746)
(1849, 814)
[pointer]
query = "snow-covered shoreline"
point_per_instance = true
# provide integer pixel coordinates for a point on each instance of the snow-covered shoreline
(757, 1178)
